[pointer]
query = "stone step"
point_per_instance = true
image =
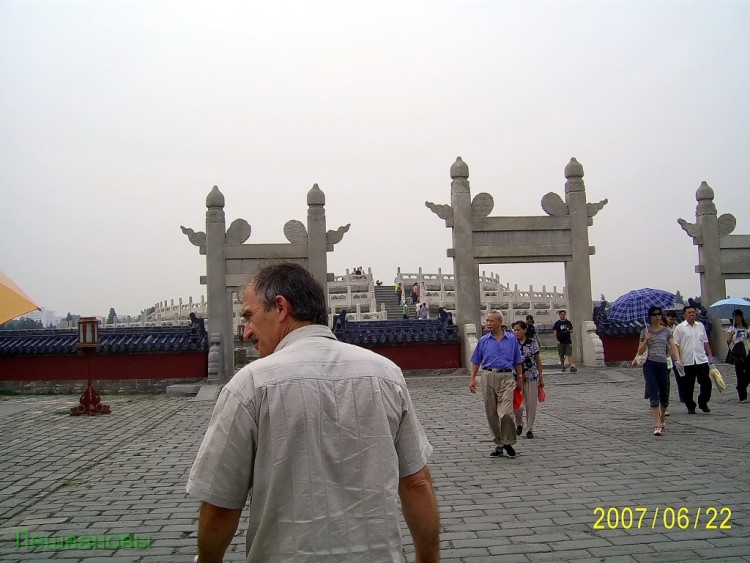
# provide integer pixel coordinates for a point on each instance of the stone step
(386, 295)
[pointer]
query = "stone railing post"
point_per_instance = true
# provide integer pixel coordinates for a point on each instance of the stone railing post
(214, 359)
(593, 348)
(470, 331)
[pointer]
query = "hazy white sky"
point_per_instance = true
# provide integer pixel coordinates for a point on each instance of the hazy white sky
(117, 118)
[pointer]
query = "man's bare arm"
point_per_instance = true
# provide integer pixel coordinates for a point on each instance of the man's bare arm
(419, 506)
(473, 378)
(216, 529)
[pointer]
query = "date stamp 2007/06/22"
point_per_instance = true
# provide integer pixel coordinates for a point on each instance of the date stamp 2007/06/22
(667, 517)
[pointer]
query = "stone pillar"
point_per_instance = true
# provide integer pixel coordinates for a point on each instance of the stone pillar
(466, 271)
(317, 261)
(578, 270)
(216, 277)
(228, 342)
(713, 285)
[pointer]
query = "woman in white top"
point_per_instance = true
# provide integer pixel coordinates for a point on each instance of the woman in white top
(737, 340)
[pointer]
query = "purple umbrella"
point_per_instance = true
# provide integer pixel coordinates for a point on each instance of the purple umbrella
(634, 305)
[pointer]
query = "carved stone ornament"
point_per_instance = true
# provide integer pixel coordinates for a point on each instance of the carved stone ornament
(692, 229)
(238, 232)
(727, 223)
(214, 215)
(215, 199)
(482, 205)
(705, 198)
(334, 237)
(553, 205)
(196, 239)
(459, 169)
(440, 209)
(593, 208)
(295, 232)
(705, 207)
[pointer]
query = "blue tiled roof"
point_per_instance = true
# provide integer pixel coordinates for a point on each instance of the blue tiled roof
(397, 332)
(131, 340)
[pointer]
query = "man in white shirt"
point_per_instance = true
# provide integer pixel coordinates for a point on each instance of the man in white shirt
(695, 354)
(323, 433)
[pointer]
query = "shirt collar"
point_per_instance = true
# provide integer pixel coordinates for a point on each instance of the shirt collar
(304, 332)
(505, 335)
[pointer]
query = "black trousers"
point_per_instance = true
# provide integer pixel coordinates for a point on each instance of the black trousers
(678, 380)
(697, 372)
(742, 369)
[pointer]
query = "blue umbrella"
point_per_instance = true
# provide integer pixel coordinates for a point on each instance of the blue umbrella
(724, 308)
(634, 305)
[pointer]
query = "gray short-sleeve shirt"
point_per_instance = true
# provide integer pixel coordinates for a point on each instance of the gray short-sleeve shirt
(659, 345)
(320, 433)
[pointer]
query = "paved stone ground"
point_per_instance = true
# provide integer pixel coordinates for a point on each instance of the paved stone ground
(125, 474)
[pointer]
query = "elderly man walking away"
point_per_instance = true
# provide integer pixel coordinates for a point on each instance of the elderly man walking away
(323, 433)
(695, 354)
(497, 358)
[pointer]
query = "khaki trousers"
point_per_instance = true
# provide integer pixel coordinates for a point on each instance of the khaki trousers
(497, 392)
(530, 401)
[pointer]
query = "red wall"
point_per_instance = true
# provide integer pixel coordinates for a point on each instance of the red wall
(619, 348)
(192, 365)
(422, 356)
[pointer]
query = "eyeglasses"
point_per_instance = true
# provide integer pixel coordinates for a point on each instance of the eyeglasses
(656, 314)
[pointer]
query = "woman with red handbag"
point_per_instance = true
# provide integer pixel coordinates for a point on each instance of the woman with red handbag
(533, 379)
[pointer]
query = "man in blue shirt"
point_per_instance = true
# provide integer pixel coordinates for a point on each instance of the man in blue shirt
(498, 357)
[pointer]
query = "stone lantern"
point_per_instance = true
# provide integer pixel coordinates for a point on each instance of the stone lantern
(88, 339)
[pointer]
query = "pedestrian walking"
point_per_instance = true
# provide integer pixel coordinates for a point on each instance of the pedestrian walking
(323, 433)
(737, 340)
(563, 330)
(415, 293)
(695, 354)
(672, 324)
(658, 341)
(533, 378)
(497, 358)
(530, 328)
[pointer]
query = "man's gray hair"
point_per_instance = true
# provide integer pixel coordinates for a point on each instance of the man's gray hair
(305, 295)
(498, 315)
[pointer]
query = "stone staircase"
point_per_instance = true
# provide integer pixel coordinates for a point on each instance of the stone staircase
(386, 295)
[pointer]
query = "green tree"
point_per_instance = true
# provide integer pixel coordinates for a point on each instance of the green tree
(24, 323)
(72, 319)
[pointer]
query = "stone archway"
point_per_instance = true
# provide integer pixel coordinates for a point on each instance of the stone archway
(721, 256)
(230, 263)
(560, 236)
